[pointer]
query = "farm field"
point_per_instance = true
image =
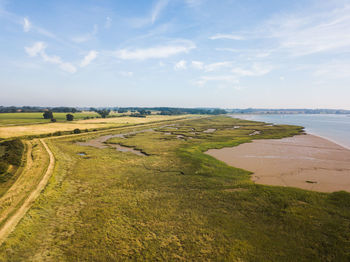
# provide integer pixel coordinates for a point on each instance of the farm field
(8, 119)
(172, 202)
(48, 127)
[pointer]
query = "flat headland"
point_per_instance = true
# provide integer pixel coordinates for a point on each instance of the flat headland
(304, 161)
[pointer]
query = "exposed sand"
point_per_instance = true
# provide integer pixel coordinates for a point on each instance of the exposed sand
(303, 161)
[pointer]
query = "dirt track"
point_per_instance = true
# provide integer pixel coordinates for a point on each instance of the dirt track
(12, 222)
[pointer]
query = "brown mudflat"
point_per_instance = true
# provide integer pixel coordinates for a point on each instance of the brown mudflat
(303, 161)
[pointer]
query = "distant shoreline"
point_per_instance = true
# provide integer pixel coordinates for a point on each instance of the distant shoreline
(333, 127)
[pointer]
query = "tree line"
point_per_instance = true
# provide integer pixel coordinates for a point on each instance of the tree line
(34, 109)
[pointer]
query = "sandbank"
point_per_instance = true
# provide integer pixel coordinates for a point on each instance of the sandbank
(304, 161)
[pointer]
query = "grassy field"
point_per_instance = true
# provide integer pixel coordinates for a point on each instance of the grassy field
(97, 123)
(175, 204)
(10, 119)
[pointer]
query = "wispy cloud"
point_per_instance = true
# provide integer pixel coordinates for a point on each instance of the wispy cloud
(158, 8)
(108, 22)
(155, 52)
(181, 65)
(231, 79)
(221, 81)
(197, 65)
(217, 66)
(194, 3)
(227, 36)
(39, 49)
(254, 70)
(126, 73)
(89, 58)
(211, 67)
(333, 70)
(86, 37)
(152, 17)
(34, 50)
(298, 34)
(26, 25)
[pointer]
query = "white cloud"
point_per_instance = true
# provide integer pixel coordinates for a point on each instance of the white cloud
(86, 37)
(68, 67)
(197, 65)
(298, 34)
(181, 65)
(89, 58)
(255, 70)
(233, 50)
(108, 22)
(152, 17)
(126, 73)
(39, 49)
(217, 66)
(220, 81)
(51, 59)
(333, 70)
(193, 3)
(211, 67)
(26, 25)
(158, 8)
(301, 34)
(227, 36)
(155, 52)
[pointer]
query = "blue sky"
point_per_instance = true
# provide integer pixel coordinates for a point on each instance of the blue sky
(185, 53)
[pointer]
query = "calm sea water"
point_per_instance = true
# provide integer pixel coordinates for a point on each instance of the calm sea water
(333, 127)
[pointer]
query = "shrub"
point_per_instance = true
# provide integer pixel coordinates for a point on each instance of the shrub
(53, 120)
(76, 131)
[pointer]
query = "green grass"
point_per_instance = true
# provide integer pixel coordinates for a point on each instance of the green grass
(37, 118)
(11, 157)
(2, 150)
(176, 204)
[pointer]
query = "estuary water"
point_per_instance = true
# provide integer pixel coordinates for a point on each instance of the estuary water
(330, 126)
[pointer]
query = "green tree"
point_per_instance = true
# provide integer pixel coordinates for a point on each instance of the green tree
(69, 117)
(48, 115)
(103, 113)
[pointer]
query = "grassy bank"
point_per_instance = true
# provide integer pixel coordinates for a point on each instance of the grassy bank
(176, 203)
(11, 159)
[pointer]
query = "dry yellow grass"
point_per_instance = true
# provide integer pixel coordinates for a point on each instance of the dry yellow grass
(15, 131)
